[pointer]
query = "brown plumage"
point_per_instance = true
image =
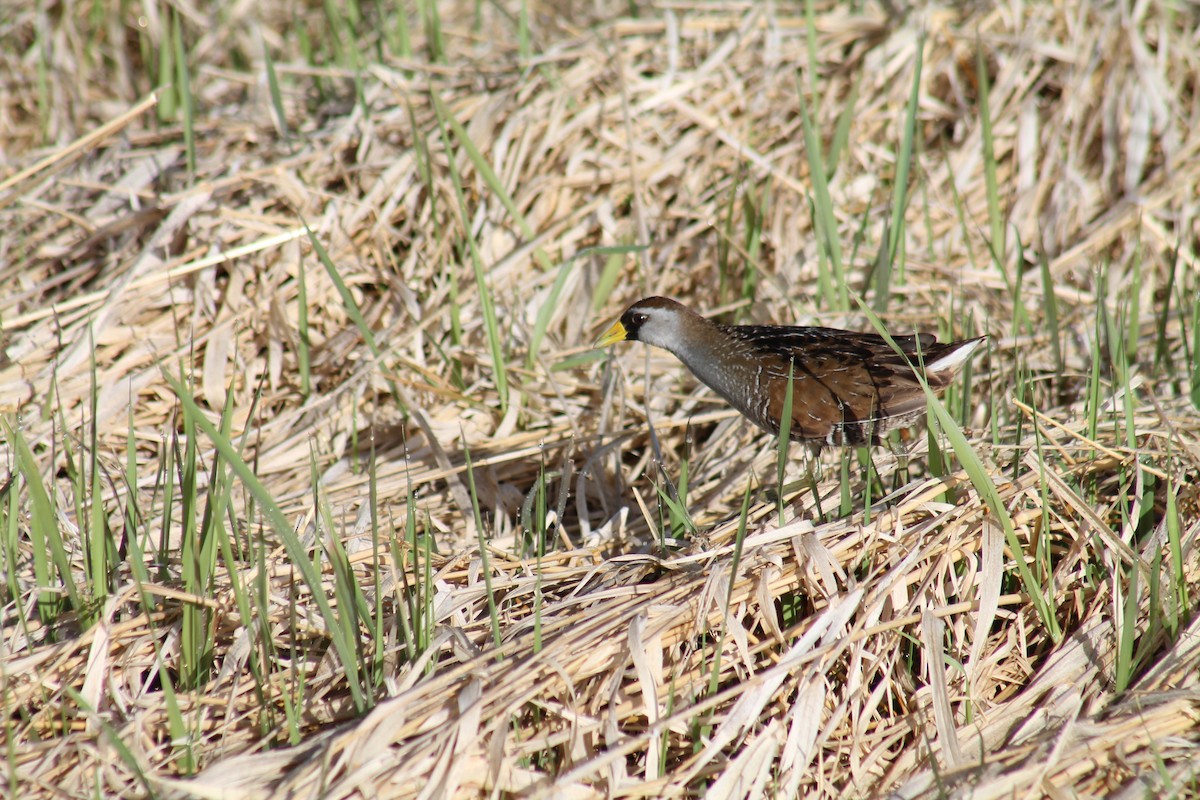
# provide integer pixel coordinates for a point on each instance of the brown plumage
(848, 388)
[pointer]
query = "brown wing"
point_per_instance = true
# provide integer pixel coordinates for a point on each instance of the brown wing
(848, 388)
(833, 401)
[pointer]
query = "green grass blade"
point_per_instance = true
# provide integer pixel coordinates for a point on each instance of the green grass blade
(343, 291)
(491, 179)
(833, 285)
(432, 24)
(609, 276)
(900, 193)
(49, 552)
(542, 322)
(1050, 312)
(841, 134)
(114, 739)
(983, 484)
(283, 529)
(493, 611)
(183, 85)
(273, 88)
(995, 222)
(487, 305)
(714, 675)
(546, 312)
(785, 433)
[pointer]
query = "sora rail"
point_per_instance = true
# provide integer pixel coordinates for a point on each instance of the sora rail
(848, 388)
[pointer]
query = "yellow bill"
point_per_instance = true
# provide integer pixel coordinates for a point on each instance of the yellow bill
(613, 335)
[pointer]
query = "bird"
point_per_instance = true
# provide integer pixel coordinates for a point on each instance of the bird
(848, 388)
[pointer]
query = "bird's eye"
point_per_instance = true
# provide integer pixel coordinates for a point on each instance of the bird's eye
(638, 319)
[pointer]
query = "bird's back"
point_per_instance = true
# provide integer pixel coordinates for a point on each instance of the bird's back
(847, 388)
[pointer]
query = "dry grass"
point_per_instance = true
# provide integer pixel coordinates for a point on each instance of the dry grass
(603, 643)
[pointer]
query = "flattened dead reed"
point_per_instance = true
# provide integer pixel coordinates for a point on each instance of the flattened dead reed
(315, 486)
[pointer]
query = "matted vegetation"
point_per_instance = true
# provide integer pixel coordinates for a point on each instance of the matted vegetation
(314, 486)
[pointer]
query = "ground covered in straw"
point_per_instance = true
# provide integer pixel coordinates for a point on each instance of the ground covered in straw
(313, 485)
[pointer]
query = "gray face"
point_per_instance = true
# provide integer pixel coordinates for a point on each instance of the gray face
(656, 325)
